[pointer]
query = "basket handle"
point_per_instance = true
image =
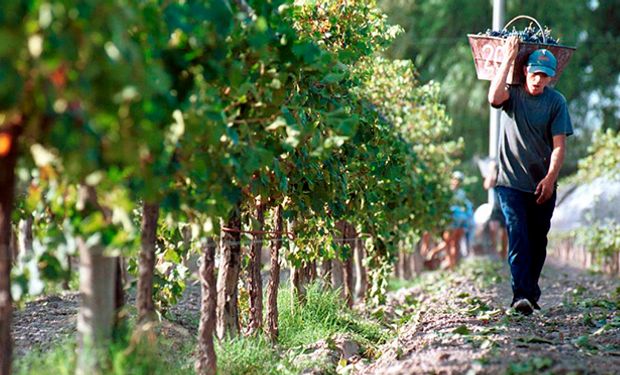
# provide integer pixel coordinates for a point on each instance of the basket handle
(531, 19)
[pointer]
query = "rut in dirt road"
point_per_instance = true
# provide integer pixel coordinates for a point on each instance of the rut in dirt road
(459, 323)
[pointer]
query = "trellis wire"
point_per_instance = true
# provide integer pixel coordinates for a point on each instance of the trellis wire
(217, 244)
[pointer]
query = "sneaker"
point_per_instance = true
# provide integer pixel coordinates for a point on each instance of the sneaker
(535, 306)
(524, 306)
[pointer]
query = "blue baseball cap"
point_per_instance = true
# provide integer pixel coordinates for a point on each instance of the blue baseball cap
(458, 175)
(542, 60)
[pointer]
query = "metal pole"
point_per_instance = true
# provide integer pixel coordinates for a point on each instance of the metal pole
(499, 11)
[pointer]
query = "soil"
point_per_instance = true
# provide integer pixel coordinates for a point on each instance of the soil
(466, 327)
(44, 322)
(456, 323)
(47, 320)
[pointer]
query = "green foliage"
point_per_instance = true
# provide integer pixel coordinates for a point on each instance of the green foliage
(60, 219)
(434, 38)
(420, 123)
(602, 239)
(80, 69)
(379, 265)
(330, 25)
(204, 106)
(82, 73)
(603, 159)
(172, 248)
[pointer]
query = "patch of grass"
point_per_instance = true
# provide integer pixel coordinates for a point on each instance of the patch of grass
(248, 355)
(325, 313)
(153, 355)
(318, 318)
(150, 355)
(58, 360)
(602, 303)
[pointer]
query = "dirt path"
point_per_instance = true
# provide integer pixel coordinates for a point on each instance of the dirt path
(450, 323)
(459, 323)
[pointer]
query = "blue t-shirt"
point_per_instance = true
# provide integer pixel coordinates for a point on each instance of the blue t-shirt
(528, 125)
(462, 210)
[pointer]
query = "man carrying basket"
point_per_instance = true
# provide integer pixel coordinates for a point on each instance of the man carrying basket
(534, 126)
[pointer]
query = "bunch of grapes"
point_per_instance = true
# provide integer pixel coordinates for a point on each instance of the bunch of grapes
(528, 35)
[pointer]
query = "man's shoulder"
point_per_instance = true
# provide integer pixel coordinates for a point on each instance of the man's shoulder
(555, 96)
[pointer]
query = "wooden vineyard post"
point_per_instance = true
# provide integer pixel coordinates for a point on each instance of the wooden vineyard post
(146, 267)
(206, 363)
(256, 282)
(348, 233)
(96, 313)
(361, 280)
(274, 279)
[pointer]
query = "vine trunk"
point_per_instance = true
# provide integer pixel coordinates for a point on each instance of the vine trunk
(227, 313)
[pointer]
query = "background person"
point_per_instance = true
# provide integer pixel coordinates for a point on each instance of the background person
(462, 214)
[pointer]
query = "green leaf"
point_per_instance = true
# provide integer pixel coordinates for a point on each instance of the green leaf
(334, 77)
(535, 340)
(93, 223)
(171, 255)
(461, 330)
(50, 267)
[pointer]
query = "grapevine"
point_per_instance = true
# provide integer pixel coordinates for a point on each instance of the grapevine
(530, 34)
(189, 125)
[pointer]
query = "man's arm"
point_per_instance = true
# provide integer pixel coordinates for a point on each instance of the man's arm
(545, 187)
(498, 91)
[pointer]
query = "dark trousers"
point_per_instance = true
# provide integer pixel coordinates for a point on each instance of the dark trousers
(528, 224)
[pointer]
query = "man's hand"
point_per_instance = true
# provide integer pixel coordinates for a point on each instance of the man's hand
(511, 48)
(490, 181)
(544, 190)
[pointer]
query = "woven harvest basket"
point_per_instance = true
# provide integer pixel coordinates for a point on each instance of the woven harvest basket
(488, 53)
